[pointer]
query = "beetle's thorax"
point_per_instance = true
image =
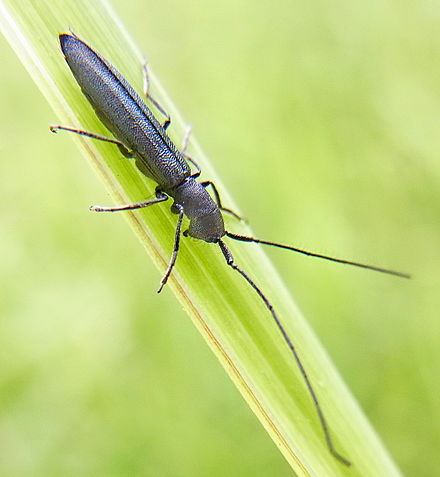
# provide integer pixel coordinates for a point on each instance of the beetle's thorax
(206, 221)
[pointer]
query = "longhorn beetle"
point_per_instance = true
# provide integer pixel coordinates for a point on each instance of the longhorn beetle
(139, 135)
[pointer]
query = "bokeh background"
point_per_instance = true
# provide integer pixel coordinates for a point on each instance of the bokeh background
(323, 119)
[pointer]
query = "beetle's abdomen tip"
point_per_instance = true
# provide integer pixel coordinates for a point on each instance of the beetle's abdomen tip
(63, 38)
(66, 40)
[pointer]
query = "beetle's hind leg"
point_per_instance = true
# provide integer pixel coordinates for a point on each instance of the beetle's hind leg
(146, 87)
(185, 143)
(122, 147)
(167, 122)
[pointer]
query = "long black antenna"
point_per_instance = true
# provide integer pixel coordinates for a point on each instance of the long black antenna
(230, 261)
(243, 238)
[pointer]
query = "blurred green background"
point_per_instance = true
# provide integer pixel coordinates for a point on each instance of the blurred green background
(323, 118)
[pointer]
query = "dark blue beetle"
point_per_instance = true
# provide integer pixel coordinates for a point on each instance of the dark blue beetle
(140, 135)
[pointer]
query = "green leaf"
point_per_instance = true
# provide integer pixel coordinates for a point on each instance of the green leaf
(227, 312)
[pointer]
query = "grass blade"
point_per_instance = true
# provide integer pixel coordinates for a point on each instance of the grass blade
(235, 324)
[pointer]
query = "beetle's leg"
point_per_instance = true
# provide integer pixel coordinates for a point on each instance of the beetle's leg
(124, 149)
(161, 197)
(219, 202)
(185, 143)
(175, 250)
(146, 85)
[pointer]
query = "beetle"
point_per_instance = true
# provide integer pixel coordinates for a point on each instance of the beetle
(141, 136)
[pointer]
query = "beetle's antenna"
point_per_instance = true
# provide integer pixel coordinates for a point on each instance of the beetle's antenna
(243, 238)
(230, 261)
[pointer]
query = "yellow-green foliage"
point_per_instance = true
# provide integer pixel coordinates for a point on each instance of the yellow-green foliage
(321, 118)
